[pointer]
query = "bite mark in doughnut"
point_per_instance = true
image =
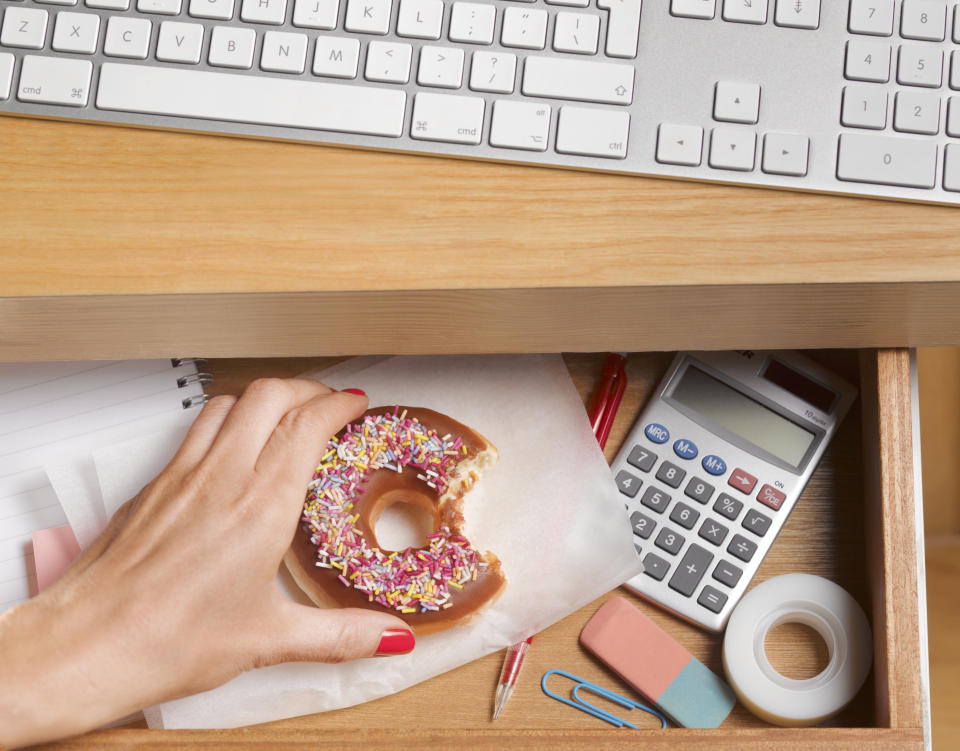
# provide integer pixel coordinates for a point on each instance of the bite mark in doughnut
(392, 455)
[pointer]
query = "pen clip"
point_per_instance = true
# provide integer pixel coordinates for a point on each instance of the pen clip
(584, 706)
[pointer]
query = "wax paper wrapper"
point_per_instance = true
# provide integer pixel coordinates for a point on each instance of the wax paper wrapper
(549, 509)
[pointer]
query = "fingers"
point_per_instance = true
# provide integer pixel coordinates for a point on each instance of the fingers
(202, 434)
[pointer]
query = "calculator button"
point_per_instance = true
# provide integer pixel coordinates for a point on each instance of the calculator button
(742, 481)
(714, 464)
(642, 524)
(669, 540)
(628, 484)
(654, 566)
(742, 548)
(727, 573)
(637, 548)
(712, 599)
(712, 531)
(657, 433)
(691, 570)
(770, 496)
(699, 490)
(671, 474)
(642, 459)
(728, 506)
(685, 516)
(685, 449)
(655, 499)
(757, 523)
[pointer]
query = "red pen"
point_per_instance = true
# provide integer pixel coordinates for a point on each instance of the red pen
(603, 408)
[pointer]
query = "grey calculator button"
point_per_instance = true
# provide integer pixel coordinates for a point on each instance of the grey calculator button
(757, 523)
(671, 474)
(638, 549)
(685, 516)
(712, 599)
(642, 459)
(642, 524)
(669, 540)
(629, 484)
(655, 566)
(699, 490)
(655, 499)
(712, 531)
(742, 548)
(691, 570)
(727, 573)
(728, 506)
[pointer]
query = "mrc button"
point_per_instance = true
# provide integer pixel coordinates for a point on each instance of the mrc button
(770, 496)
(657, 433)
(684, 449)
(714, 464)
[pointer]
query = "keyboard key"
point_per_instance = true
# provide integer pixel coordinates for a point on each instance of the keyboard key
(316, 14)
(52, 80)
(420, 19)
(629, 484)
(679, 144)
(656, 499)
(757, 523)
(726, 573)
(588, 81)
(742, 481)
(699, 490)
(691, 570)
(770, 496)
(591, 132)
(231, 47)
(654, 566)
(742, 548)
(440, 66)
(24, 27)
(712, 531)
(76, 32)
(919, 66)
(802, 14)
(732, 149)
(873, 17)
(447, 117)
(685, 516)
(389, 62)
(284, 52)
(367, 16)
(712, 599)
(693, 8)
(295, 103)
(222, 10)
(166, 7)
(57, 2)
(671, 474)
(951, 165)
(642, 459)
(127, 37)
(885, 160)
(736, 102)
(520, 125)
(955, 68)
(923, 19)
(109, 4)
(526, 28)
(864, 107)
(956, 25)
(867, 60)
(6, 74)
(570, 3)
(336, 57)
(728, 506)
(953, 117)
(623, 26)
(576, 32)
(493, 71)
(685, 449)
(472, 23)
(181, 42)
(642, 524)
(917, 112)
(669, 540)
(745, 11)
(785, 154)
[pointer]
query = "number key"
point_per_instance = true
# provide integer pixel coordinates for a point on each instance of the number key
(873, 17)
(629, 484)
(669, 540)
(917, 112)
(867, 60)
(642, 524)
(919, 66)
(671, 474)
(685, 516)
(642, 459)
(728, 506)
(864, 107)
(655, 499)
(923, 19)
(699, 490)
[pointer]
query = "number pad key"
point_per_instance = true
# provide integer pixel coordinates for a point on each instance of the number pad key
(712, 599)
(728, 506)
(871, 17)
(629, 484)
(757, 523)
(685, 516)
(867, 60)
(864, 107)
(917, 112)
(923, 19)
(669, 540)
(642, 459)
(691, 570)
(642, 524)
(919, 66)
(726, 573)
(654, 566)
(656, 499)
(742, 548)
(712, 531)
(671, 474)
(699, 490)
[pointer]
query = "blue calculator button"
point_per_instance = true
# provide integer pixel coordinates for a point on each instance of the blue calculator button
(657, 433)
(714, 464)
(684, 449)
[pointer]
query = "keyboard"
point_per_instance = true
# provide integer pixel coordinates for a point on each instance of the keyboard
(857, 97)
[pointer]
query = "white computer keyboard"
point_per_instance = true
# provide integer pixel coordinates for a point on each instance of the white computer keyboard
(848, 96)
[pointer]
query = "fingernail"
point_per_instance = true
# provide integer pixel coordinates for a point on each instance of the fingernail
(396, 641)
(357, 392)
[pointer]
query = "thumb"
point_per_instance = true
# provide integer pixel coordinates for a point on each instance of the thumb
(338, 634)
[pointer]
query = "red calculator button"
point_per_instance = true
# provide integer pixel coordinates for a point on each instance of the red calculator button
(770, 496)
(742, 481)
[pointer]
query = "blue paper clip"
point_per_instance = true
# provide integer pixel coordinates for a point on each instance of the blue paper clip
(583, 705)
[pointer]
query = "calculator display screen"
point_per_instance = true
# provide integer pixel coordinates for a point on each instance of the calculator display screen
(799, 385)
(742, 415)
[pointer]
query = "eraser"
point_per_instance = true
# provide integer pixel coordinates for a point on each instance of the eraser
(657, 666)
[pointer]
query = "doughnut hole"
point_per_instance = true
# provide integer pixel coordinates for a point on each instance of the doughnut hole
(403, 519)
(796, 651)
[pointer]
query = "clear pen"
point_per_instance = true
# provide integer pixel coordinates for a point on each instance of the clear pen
(512, 663)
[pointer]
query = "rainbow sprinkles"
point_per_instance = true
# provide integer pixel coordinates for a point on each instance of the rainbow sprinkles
(410, 581)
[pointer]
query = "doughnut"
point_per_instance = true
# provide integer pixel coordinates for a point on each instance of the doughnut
(396, 455)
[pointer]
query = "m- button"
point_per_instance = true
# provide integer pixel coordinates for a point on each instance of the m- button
(742, 481)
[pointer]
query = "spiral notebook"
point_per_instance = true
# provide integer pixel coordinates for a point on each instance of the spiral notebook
(56, 414)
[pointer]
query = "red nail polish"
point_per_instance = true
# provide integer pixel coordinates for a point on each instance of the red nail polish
(357, 392)
(396, 641)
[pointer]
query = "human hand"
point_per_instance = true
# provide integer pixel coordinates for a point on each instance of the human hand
(178, 595)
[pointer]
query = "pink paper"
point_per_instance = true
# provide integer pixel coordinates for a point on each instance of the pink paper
(54, 550)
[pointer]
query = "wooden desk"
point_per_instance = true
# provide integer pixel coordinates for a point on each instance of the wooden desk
(125, 243)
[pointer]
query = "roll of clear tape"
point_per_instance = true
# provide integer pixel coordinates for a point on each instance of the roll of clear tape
(814, 602)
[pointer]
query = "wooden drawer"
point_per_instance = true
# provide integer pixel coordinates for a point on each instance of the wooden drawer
(858, 523)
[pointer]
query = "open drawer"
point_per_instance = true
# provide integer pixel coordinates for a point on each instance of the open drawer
(857, 523)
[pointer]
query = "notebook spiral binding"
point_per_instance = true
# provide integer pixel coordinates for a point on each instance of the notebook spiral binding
(201, 377)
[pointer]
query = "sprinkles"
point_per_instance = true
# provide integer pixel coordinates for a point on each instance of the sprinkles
(409, 581)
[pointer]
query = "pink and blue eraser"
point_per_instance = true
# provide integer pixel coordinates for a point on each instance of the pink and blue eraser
(658, 667)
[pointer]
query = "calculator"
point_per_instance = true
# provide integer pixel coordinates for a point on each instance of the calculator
(713, 466)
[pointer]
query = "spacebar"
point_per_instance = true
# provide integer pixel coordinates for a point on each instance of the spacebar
(251, 99)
